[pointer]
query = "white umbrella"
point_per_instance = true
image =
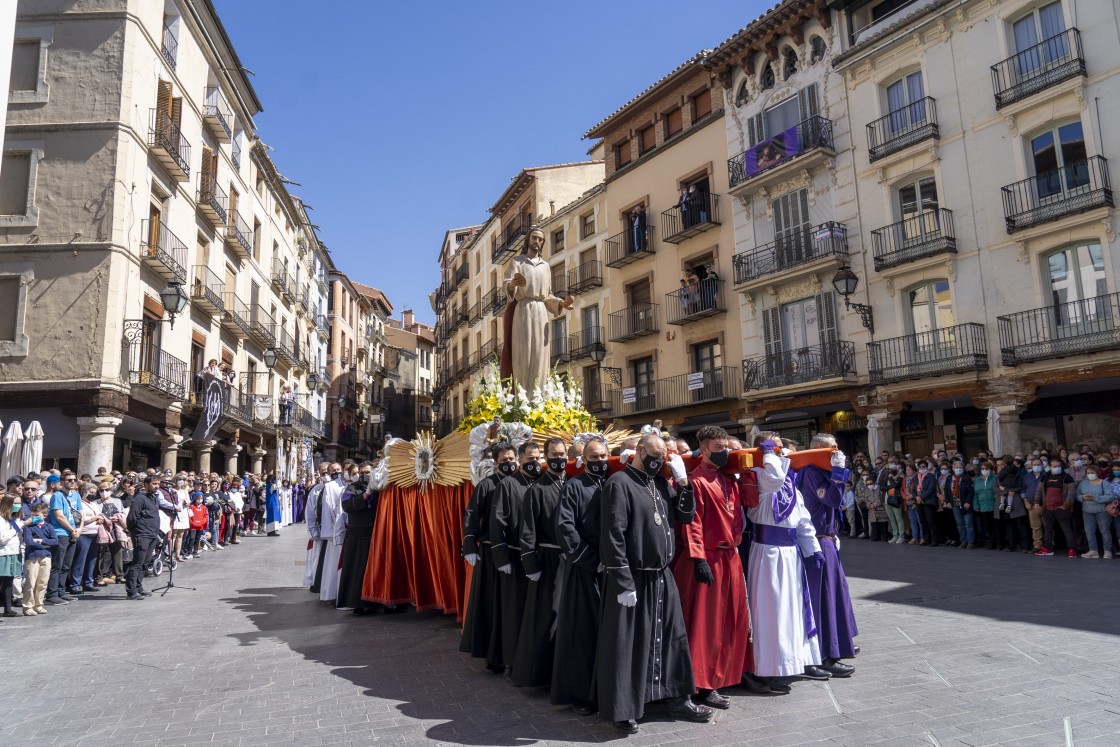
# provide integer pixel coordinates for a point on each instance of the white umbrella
(32, 460)
(995, 439)
(13, 450)
(872, 437)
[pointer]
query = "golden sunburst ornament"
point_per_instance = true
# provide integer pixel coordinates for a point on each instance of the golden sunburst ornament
(614, 436)
(425, 460)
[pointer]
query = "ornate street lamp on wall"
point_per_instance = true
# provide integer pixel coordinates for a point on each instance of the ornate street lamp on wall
(845, 282)
(174, 299)
(270, 357)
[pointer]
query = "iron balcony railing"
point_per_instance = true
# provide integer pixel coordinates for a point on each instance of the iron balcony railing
(945, 350)
(235, 154)
(149, 365)
(813, 133)
(461, 274)
(509, 243)
(582, 344)
(348, 438)
(1036, 68)
(261, 325)
(285, 344)
(560, 350)
(279, 274)
(169, 46)
(488, 301)
(924, 235)
(207, 290)
(240, 233)
(498, 302)
(792, 250)
(474, 313)
(212, 199)
(902, 128)
(1088, 325)
(236, 316)
(167, 140)
(597, 398)
(321, 325)
(491, 350)
(585, 277)
(684, 390)
(694, 215)
(832, 360)
(217, 113)
(693, 303)
(1073, 188)
(163, 251)
(629, 246)
(633, 322)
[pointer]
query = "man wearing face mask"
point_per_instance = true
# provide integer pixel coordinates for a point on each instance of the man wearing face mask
(1032, 477)
(481, 635)
(316, 548)
(332, 530)
(540, 557)
(505, 547)
(643, 644)
(577, 621)
(927, 494)
(709, 575)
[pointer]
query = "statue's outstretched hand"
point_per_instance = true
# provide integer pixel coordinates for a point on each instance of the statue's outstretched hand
(569, 302)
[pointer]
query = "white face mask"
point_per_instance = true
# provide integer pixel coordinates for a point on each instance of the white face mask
(106, 493)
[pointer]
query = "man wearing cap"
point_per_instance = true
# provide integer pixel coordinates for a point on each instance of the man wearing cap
(66, 519)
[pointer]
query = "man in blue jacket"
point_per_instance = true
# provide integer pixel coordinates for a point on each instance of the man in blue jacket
(1032, 476)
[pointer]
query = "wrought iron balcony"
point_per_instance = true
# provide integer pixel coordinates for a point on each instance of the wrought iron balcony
(285, 344)
(474, 313)
(902, 128)
(581, 344)
(699, 213)
(688, 305)
(217, 115)
(585, 277)
(629, 246)
(207, 290)
(491, 350)
(169, 146)
(597, 398)
(212, 199)
(1080, 327)
(512, 239)
(235, 320)
(684, 390)
(633, 322)
(559, 350)
(162, 251)
(499, 301)
(946, 350)
(1074, 188)
(459, 317)
(925, 235)
(792, 251)
(149, 365)
(814, 134)
(348, 438)
(239, 236)
(833, 360)
(461, 274)
(169, 46)
(279, 275)
(1037, 68)
(261, 325)
(474, 361)
(321, 327)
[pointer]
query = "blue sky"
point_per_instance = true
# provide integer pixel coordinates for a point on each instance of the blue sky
(401, 120)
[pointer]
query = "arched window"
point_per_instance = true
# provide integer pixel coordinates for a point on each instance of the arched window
(743, 95)
(767, 81)
(789, 63)
(818, 49)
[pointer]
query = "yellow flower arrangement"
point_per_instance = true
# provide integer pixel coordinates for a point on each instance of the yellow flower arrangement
(555, 405)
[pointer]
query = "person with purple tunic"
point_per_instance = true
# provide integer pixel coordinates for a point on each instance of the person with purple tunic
(823, 493)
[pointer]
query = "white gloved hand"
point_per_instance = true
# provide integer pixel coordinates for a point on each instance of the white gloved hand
(471, 558)
(676, 466)
(837, 543)
(786, 452)
(601, 568)
(625, 456)
(533, 576)
(507, 568)
(838, 459)
(579, 462)
(628, 598)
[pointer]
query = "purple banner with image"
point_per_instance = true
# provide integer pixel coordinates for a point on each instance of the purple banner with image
(786, 144)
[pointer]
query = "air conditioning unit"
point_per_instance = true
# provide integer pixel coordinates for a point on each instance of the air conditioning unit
(861, 400)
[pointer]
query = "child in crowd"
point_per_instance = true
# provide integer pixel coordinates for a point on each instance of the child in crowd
(39, 538)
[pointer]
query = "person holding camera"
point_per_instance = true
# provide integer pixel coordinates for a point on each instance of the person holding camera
(359, 506)
(143, 526)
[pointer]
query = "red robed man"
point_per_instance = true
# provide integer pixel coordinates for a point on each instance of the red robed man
(709, 573)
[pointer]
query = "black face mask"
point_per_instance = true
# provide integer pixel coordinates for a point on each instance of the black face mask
(598, 469)
(557, 464)
(719, 458)
(335, 475)
(532, 469)
(652, 464)
(507, 468)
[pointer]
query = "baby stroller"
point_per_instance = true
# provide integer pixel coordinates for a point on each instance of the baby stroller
(162, 557)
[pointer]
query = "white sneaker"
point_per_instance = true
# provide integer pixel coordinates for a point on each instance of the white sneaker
(1091, 554)
(1107, 555)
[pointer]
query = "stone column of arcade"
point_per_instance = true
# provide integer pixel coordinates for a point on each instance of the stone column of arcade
(95, 443)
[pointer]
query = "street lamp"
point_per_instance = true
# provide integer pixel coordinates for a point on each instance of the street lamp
(845, 282)
(270, 358)
(174, 299)
(312, 380)
(598, 353)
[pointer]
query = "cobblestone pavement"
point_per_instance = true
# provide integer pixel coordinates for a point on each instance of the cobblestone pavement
(959, 648)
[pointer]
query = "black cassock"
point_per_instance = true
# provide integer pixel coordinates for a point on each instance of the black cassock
(482, 607)
(540, 553)
(360, 515)
(505, 549)
(643, 650)
(577, 616)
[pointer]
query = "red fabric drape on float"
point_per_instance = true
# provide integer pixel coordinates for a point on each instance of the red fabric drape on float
(415, 550)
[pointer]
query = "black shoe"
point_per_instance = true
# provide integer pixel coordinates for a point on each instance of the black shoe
(629, 726)
(74, 590)
(775, 686)
(837, 669)
(90, 588)
(10, 613)
(67, 597)
(713, 699)
(495, 669)
(684, 709)
(135, 597)
(815, 673)
(144, 593)
(585, 709)
(755, 685)
(56, 600)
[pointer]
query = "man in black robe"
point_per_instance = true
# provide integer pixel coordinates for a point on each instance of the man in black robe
(643, 646)
(505, 547)
(481, 634)
(359, 502)
(540, 557)
(577, 619)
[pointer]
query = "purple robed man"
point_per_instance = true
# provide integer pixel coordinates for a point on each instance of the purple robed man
(823, 493)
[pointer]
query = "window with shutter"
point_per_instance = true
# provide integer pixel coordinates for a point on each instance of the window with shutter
(207, 176)
(701, 105)
(826, 313)
(772, 331)
(754, 130)
(163, 97)
(674, 122)
(792, 233)
(807, 102)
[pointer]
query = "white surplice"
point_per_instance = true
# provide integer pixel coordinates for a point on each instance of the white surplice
(312, 564)
(333, 531)
(774, 580)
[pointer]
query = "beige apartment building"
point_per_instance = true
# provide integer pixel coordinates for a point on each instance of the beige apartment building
(349, 365)
(378, 369)
(142, 186)
(673, 323)
(924, 220)
(409, 388)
